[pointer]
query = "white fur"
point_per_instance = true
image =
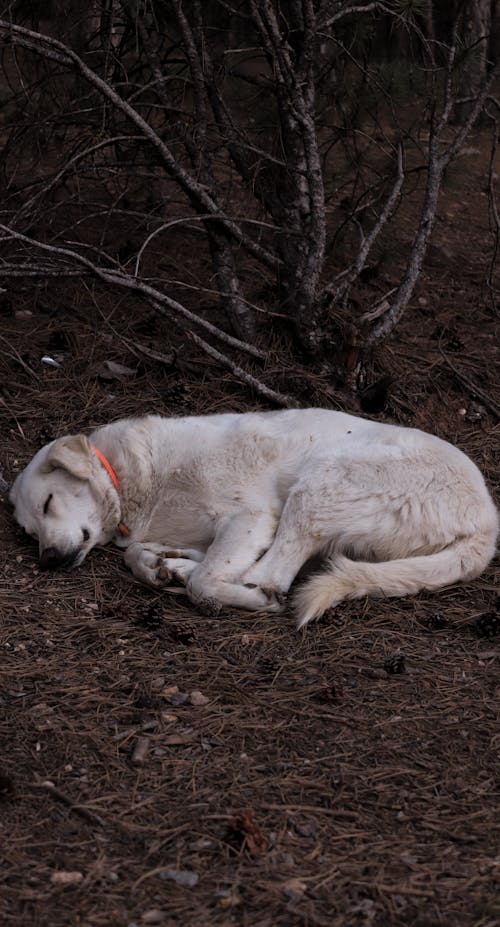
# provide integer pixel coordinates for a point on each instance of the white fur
(234, 506)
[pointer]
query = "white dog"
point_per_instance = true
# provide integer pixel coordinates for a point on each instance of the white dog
(234, 505)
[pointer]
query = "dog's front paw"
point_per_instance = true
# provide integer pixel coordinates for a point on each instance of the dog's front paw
(163, 573)
(152, 566)
(174, 569)
(156, 576)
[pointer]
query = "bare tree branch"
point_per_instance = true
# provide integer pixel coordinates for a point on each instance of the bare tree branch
(172, 309)
(201, 200)
(296, 181)
(438, 160)
(358, 8)
(260, 388)
(222, 256)
(121, 278)
(27, 205)
(339, 290)
(493, 208)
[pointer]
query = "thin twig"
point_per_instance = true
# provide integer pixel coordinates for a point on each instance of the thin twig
(437, 162)
(83, 812)
(165, 305)
(348, 276)
(51, 48)
(493, 207)
(121, 278)
(360, 8)
(476, 391)
(279, 399)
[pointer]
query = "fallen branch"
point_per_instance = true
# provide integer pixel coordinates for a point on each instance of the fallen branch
(50, 789)
(256, 385)
(121, 278)
(163, 304)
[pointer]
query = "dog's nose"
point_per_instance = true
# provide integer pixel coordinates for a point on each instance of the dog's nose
(50, 558)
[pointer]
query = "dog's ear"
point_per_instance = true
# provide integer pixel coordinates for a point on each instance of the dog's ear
(71, 453)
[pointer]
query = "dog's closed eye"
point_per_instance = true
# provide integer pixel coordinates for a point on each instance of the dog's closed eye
(46, 504)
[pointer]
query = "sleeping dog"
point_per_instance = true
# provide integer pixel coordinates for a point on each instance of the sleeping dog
(233, 506)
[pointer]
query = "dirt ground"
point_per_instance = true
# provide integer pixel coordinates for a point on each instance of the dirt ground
(162, 767)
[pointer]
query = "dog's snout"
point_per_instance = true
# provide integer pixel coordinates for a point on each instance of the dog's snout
(50, 558)
(54, 559)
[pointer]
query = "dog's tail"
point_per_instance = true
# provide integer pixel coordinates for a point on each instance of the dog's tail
(463, 559)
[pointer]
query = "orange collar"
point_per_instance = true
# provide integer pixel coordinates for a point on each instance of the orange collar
(106, 464)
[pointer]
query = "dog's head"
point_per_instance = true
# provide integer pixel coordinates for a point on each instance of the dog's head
(59, 500)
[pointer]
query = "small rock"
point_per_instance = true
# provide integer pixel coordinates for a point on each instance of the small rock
(294, 889)
(150, 725)
(198, 699)
(305, 829)
(228, 899)
(169, 691)
(158, 683)
(184, 877)
(63, 877)
(180, 698)
(203, 843)
(140, 751)
(153, 916)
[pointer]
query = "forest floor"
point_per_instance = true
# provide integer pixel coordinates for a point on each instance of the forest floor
(348, 775)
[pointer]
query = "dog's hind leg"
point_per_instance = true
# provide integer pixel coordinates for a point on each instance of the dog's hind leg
(212, 579)
(301, 534)
(239, 541)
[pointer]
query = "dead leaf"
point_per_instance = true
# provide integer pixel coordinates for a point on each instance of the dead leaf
(110, 370)
(251, 835)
